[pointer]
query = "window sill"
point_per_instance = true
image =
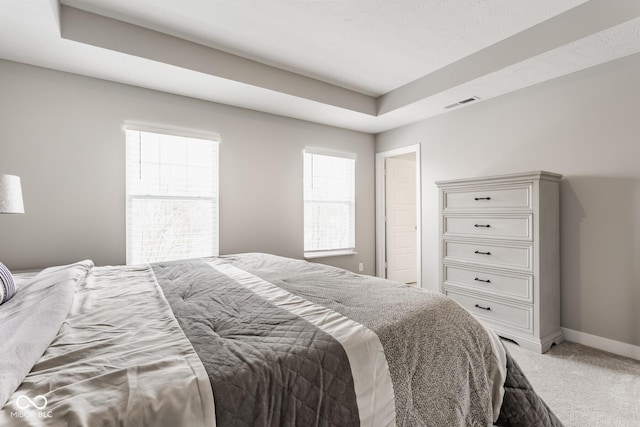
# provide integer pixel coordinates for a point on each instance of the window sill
(327, 254)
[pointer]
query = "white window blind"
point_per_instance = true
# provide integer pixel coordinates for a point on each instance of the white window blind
(172, 197)
(329, 204)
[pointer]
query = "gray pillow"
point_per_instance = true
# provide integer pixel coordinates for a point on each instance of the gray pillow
(7, 284)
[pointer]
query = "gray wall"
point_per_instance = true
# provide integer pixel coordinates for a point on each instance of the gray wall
(585, 126)
(63, 135)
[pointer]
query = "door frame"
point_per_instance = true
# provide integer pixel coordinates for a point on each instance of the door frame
(381, 193)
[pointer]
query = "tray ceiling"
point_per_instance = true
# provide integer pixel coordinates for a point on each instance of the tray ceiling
(367, 65)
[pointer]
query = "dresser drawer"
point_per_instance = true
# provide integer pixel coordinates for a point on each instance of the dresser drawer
(491, 226)
(511, 256)
(512, 316)
(488, 198)
(515, 286)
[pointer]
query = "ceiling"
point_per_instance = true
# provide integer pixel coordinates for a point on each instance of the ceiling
(367, 65)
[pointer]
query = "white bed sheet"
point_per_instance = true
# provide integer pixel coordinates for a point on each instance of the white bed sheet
(120, 358)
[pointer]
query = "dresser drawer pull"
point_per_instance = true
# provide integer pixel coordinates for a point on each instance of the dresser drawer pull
(483, 308)
(482, 253)
(482, 280)
(482, 225)
(482, 198)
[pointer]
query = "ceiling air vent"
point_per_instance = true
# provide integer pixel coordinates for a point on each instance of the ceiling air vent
(464, 101)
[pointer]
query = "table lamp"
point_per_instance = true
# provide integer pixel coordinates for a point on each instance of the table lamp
(10, 203)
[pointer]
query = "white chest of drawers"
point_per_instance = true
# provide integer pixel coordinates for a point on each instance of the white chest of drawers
(500, 253)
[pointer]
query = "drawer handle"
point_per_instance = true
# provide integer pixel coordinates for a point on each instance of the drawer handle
(482, 280)
(482, 225)
(483, 308)
(482, 253)
(482, 198)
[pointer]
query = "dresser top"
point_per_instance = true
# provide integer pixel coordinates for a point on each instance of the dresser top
(523, 176)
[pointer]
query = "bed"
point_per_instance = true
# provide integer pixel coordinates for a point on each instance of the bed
(249, 340)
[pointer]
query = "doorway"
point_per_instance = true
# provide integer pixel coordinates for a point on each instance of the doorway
(398, 207)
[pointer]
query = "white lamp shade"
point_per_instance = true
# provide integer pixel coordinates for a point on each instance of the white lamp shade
(10, 194)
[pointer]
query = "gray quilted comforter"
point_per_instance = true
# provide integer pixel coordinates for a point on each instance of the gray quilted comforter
(521, 405)
(269, 365)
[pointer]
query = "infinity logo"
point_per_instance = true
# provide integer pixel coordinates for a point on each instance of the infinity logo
(20, 402)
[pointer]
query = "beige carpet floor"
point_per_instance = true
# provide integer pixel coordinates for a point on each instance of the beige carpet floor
(583, 386)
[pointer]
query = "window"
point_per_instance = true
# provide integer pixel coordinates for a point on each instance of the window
(329, 204)
(172, 196)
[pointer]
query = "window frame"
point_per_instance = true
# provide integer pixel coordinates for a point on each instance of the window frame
(323, 253)
(211, 137)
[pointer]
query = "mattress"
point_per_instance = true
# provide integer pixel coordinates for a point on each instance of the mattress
(262, 340)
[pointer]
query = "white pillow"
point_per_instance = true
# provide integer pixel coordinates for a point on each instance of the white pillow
(7, 284)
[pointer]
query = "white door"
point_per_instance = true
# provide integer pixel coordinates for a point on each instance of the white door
(401, 226)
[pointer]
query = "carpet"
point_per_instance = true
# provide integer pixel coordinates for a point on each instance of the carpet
(584, 386)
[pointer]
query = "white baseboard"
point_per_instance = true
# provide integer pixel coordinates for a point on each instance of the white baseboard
(615, 347)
